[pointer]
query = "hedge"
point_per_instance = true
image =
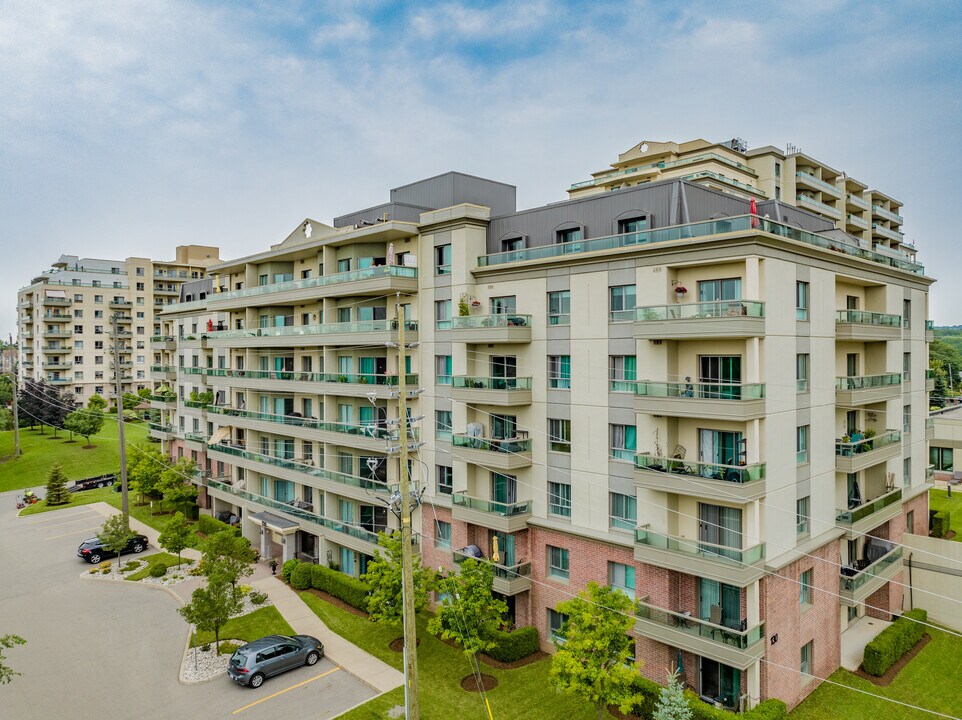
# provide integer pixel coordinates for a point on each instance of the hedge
(649, 692)
(514, 645)
(939, 522)
(893, 642)
(288, 568)
(344, 587)
(301, 576)
(209, 525)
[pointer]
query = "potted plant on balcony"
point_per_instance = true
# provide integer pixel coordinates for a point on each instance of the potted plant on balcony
(463, 309)
(680, 292)
(869, 433)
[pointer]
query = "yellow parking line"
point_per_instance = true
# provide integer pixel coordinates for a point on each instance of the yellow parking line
(281, 692)
(75, 532)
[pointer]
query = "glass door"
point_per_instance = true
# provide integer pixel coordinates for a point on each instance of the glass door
(503, 426)
(504, 368)
(715, 290)
(712, 594)
(719, 447)
(720, 525)
(851, 364)
(723, 376)
(719, 683)
(505, 548)
(504, 490)
(368, 369)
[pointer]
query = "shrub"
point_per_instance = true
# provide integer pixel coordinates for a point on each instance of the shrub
(301, 577)
(257, 597)
(288, 568)
(648, 693)
(514, 645)
(939, 522)
(244, 589)
(209, 525)
(344, 587)
(158, 570)
(893, 642)
(205, 647)
(105, 565)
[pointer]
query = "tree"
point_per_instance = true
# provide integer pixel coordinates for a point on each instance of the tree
(384, 576)
(227, 557)
(210, 607)
(131, 400)
(6, 642)
(593, 659)
(97, 403)
(176, 535)
(57, 487)
(469, 612)
(115, 534)
(145, 466)
(672, 704)
(175, 483)
(940, 389)
(85, 423)
(42, 403)
(6, 389)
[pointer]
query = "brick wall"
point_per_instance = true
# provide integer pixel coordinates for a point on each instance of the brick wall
(919, 506)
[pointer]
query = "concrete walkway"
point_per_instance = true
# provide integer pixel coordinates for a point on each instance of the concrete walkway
(856, 637)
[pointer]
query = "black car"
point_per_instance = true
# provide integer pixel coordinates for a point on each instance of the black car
(272, 655)
(93, 551)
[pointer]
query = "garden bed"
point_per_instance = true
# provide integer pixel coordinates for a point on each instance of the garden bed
(890, 674)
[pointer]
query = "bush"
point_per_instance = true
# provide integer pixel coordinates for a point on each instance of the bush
(344, 587)
(257, 597)
(158, 570)
(648, 693)
(939, 522)
(301, 577)
(209, 525)
(893, 642)
(193, 512)
(514, 645)
(288, 568)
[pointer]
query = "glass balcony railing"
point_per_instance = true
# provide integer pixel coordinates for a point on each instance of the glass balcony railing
(161, 338)
(374, 431)
(854, 582)
(196, 437)
(848, 517)
(887, 214)
(739, 223)
(710, 551)
(817, 204)
(491, 506)
(164, 398)
(689, 311)
(160, 427)
(692, 625)
(163, 368)
(299, 513)
(196, 404)
(702, 391)
(930, 324)
(724, 179)
(361, 326)
(191, 370)
(930, 423)
(290, 375)
(857, 201)
(625, 386)
(863, 382)
(852, 447)
(182, 306)
(681, 162)
(861, 317)
(508, 572)
(701, 470)
(399, 271)
(486, 383)
(818, 182)
(465, 322)
(498, 445)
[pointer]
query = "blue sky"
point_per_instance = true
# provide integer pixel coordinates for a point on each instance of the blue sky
(130, 127)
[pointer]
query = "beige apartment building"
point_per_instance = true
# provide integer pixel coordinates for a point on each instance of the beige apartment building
(65, 318)
(704, 394)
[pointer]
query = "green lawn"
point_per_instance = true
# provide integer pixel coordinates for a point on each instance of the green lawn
(38, 453)
(521, 693)
(927, 681)
(939, 500)
(253, 626)
(161, 558)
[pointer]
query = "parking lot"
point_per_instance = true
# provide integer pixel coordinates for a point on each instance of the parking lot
(104, 650)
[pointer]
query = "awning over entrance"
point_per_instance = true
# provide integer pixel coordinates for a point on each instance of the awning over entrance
(274, 522)
(221, 433)
(55, 293)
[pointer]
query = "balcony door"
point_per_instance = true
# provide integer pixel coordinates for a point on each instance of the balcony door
(504, 488)
(722, 374)
(503, 426)
(504, 368)
(718, 682)
(716, 290)
(712, 593)
(719, 447)
(504, 305)
(505, 548)
(851, 364)
(719, 525)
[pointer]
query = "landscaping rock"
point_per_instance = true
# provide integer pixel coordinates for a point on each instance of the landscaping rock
(209, 665)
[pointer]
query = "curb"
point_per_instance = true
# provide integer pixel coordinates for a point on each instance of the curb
(365, 702)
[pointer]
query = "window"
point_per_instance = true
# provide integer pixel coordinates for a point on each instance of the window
(559, 435)
(624, 511)
(568, 235)
(622, 578)
(442, 260)
(78, 359)
(445, 476)
(805, 582)
(941, 458)
(778, 169)
(559, 499)
(140, 272)
(556, 623)
(78, 328)
(633, 225)
(806, 661)
(78, 344)
(78, 314)
(559, 372)
(719, 290)
(801, 300)
(140, 286)
(801, 444)
(442, 314)
(622, 373)
(778, 193)
(558, 562)
(907, 471)
(559, 307)
(910, 521)
(621, 303)
(344, 265)
(442, 424)
(442, 537)
(99, 299)
(906, 313)
(906, 418)
(98, 314)
(506, 305)
(78, 298)
(623, 442)
(802, 514)
(801, 372)
(78, 376)
(512, 244)
(906, 365)
(442, 369)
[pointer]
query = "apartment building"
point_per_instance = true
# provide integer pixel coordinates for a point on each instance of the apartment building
(65, 317)
(712, 399)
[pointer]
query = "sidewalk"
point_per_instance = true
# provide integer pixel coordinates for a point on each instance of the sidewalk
(107, 510)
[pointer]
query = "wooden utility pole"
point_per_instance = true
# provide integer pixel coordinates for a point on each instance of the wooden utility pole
(411, 702)
(119, 390)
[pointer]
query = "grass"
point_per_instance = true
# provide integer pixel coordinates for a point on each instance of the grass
(524, 692)
(924, 682)
(161, 558)
(252, 626)
(939, 500)
(38, 453)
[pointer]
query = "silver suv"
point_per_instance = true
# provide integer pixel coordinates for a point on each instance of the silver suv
(272, 655)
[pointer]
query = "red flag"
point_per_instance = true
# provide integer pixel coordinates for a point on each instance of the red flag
(753, 209)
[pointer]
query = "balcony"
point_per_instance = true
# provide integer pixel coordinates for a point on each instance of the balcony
(704, 320)
(857, 202)
(57, 333)
(727, 565)
(495, 453)
(491, 328)
(54, 349)
(163, 372)
(163, 342)
(709, 177)
(57, 365)
(160, 431)
(348, 384)
(504, 392)
(58, 380)
(819, 207)
(57, 302)
(120, 304)
(809, 180)
(163, 402)
(863, 326)
(363, 332)
(870, 515)
(929, 379)
(508, 579)
(196, 441)
(929, 331)
(730, 483)
(879, 211)
(856, 222)
(864, 389)
(503, 517)
(853, 455)
(885, 232)
(734, 647)
(856, 588)
(718, 401)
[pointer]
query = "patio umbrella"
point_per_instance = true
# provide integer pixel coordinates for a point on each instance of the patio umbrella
(753, 210)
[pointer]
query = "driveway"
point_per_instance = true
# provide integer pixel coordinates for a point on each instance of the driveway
(109, 651)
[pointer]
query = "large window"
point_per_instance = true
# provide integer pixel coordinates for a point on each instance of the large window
(801, 444)
(442, 369)
(622, 578)
(507, 305)
(802, 514)
(442, 314)
(568, 235)
(806, 661)
(559, 435)
(715, 290)
(624, 511)
(442, 537)
(720, 527)
(621, 303)
(445, 475)
(624, 442)
(558, 562)
(556, 622)
(941, 458)
(442, 260)
(559, 372)
(559, 499)
(622, 373)
(801, 372)
(801, 300)
(559, 307)
(805, 582)
(906, 313)
(442, 424)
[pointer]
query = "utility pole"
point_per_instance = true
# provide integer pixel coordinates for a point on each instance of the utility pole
(118, 377)
(16, 411)
(411, 702)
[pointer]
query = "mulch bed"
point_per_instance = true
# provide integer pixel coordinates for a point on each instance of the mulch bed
(889, 676)
(949, 535)
(336, 602)
(613, 709)
(470, 683)
(397, 645)
(491, 662)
